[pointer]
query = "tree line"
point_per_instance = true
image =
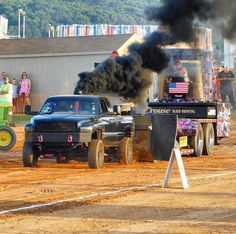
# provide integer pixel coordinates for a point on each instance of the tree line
(40, 13)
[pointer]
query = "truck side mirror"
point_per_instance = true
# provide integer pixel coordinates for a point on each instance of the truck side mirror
(28, 110)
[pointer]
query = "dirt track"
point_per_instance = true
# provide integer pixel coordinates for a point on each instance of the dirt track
(209, 206)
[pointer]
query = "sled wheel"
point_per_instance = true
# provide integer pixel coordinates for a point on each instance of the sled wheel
(7, 138)
(95, 154)
(197, 142)
(30, 155)
(126, 151)
(209, 138)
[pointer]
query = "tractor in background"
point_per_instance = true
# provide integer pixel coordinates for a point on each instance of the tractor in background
(7, 134)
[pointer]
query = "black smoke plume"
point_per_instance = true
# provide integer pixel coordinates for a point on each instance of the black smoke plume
(226, 18)
(180, 15)
(129, 76)
(123, 76)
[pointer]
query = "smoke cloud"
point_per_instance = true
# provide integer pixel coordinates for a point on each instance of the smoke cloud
(123, 76)
(226, 12)
(180, 15)
(130, 76)
(127, 76)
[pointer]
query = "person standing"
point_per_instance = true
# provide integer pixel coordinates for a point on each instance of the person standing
(24, 91)
(226, 76)
(6, 91)
(181, 71)
(3, 74)
(216, 82)
(14, 95)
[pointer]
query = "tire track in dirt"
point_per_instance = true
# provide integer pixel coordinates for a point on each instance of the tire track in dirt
(103, 194)
(57, 182)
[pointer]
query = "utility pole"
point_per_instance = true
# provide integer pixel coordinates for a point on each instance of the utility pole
(21, 13)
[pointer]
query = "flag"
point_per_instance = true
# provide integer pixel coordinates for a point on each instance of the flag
(178, 87)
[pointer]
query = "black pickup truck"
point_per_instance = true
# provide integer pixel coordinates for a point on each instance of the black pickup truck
(74, 126)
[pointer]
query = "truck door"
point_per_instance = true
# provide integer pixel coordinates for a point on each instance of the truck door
(110, 123)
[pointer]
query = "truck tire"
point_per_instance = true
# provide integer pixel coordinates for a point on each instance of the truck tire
(209, 138)
(126, 151)
(62, 159)
(197, 142)
(95, 154)
(7, 138)
(30, 155)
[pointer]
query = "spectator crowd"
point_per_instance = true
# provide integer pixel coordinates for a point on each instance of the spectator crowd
(15, 92)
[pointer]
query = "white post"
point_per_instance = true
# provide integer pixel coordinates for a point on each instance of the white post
(19, 23)
(49, 30)
(53, 32)
(23, 14)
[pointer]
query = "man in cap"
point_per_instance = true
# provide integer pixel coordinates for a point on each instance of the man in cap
(226, 76)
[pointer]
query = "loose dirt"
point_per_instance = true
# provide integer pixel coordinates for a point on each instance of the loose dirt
(81, 204)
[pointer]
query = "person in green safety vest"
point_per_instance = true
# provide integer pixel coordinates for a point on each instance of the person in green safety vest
(6, 91)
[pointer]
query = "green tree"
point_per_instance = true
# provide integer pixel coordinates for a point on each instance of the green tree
(39, 13)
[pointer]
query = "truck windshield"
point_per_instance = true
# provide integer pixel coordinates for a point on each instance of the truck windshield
(85, 107)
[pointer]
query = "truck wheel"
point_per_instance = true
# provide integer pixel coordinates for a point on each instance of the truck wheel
(7, 138)
(197, 142)
(30, 155)
(62, 159)
(209, 138)
(126, 151)
(95, 154)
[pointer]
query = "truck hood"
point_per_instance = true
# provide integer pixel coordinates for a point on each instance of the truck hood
(65, 117)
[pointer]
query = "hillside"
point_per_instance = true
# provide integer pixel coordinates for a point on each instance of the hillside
(40, 13)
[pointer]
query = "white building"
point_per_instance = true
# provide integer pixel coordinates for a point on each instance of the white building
(53, 64)
(3, 27)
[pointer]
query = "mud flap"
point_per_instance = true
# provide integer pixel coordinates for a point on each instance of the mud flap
(163, 135)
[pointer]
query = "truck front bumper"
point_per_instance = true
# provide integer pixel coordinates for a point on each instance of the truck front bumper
(57, 137)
